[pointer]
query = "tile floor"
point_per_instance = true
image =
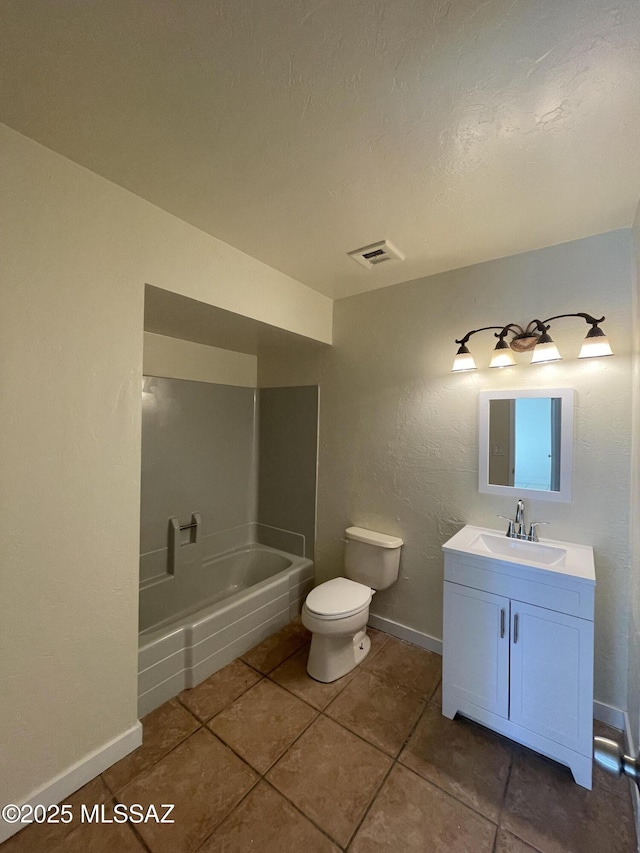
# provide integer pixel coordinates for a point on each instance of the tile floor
(262, 758)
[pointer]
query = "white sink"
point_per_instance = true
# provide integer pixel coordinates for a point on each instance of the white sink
(565, 558)
(520, 549)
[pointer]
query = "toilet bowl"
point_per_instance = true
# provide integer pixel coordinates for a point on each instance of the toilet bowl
(337, 611)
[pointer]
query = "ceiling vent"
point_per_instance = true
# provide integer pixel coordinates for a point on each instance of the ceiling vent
(376, 253)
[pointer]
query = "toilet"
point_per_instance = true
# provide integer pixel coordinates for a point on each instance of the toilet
(337, 612)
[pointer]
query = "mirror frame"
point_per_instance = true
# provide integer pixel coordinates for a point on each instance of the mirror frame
(567, 395)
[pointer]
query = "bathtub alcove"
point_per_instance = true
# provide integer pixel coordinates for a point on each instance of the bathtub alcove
(228, 494)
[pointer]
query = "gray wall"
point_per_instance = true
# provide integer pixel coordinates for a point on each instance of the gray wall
(398, 431)
(198, 455)
(288, 419)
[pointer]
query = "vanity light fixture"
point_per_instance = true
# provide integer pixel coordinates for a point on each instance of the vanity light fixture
(534, 337)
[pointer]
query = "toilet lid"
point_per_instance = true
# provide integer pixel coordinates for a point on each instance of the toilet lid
(338, 597)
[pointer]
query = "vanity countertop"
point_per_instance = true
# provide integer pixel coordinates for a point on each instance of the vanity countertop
(562, 558)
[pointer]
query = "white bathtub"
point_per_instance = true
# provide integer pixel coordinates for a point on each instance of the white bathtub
(189, 630)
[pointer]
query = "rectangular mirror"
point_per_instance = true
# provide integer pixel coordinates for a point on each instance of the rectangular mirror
(526, 443)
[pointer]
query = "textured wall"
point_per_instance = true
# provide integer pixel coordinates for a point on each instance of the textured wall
(398, 431)
(633, 701)
(76, 253)
(288, 460)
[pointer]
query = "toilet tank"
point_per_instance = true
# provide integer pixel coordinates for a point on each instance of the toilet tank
(372, 558)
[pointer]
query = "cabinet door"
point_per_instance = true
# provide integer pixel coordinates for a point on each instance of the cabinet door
(476, 647)
(552, 675)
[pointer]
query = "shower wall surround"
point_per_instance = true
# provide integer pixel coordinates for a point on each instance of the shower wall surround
(200, 453)
(399, 432)
(288, 419)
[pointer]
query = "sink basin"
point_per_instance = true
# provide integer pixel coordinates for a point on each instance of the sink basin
(565, 558)
(520, 549)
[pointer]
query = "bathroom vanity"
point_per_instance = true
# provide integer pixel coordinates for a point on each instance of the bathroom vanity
(518, 641)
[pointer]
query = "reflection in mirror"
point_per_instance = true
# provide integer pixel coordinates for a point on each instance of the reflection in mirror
(524, 443)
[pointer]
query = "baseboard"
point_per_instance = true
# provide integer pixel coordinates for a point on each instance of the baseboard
(79, 774)
(608, 714)
(403, 632)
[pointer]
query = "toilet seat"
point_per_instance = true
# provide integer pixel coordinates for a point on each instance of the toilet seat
(338, 598)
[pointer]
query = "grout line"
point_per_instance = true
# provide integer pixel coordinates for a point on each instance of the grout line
(134, 829)
(306, 701)
(394, 761)
(504, 796)
(261, 776)
(450, 796)
(153, 763)
(275, 761)
(228, 814)
(284, 660)
(371, 802)
(300, 812)
(224, 707)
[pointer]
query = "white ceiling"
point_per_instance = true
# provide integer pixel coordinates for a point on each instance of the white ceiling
(297, 130)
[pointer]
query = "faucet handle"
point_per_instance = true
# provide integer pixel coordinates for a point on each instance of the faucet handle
(511, 531)
(533, 530)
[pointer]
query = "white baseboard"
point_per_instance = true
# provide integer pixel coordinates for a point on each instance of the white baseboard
(609, 715)
(79, 774)
(403, 632)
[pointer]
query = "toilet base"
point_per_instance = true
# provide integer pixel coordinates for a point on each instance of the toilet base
(331, 657)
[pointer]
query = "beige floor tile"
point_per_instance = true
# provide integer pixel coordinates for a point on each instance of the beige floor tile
(162, 730)
(331, 776)
(546, 808)
(203, 779)
(219, 690)
(292, 675)
(410, 815)
(402, 663)
(48, 836)
(101, 838)
(508, 843)
(265, 822)
(465, 759)
(262, 723)
(277, 648)
(382, 713)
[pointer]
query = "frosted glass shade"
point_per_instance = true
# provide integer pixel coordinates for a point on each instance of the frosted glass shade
(463, 361)
(502, 357)
(546, 351)
(595, 347)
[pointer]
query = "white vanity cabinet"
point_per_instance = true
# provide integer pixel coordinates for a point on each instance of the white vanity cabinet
(518, 642)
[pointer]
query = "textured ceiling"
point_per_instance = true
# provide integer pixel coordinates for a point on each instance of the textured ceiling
(461, 130)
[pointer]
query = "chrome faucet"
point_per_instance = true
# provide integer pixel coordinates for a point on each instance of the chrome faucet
(520, 525)
(517, 528)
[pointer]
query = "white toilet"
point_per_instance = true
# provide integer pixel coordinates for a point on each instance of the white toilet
(336, 612)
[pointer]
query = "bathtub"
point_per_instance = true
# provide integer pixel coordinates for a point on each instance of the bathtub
(216, 612)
